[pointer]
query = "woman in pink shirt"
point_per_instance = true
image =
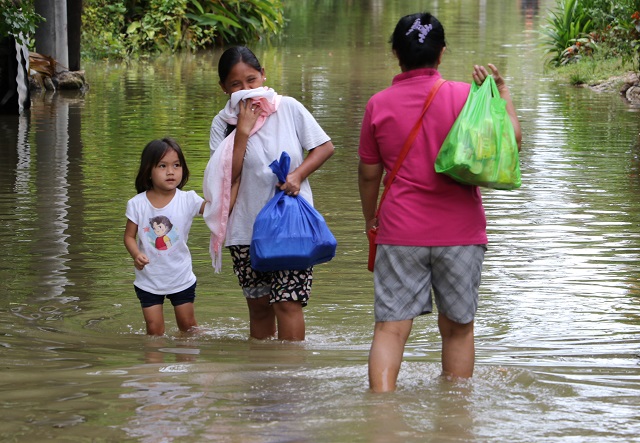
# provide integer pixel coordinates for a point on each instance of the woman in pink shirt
(431, 229)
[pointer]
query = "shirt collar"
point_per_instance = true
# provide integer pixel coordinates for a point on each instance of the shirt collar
(413, 73)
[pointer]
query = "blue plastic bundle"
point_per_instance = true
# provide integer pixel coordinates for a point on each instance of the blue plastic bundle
(288, 232)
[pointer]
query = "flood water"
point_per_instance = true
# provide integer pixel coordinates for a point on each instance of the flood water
(558, 327)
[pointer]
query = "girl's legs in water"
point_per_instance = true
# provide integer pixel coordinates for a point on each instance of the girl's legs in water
(285, 317)
(185, 316)
(262, 318)
(154, 319)
(290, 318)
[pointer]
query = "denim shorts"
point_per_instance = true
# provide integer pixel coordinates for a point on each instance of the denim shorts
(292, 285)
(404, 277)
(148, 299)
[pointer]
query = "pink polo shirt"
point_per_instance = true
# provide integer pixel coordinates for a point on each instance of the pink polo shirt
(422, 208)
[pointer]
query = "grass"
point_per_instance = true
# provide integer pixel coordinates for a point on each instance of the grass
(591, 71)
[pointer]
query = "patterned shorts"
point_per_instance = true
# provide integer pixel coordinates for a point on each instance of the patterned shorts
(293, 285)
(405, 275)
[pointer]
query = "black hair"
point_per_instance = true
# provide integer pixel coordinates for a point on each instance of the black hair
(405, 41)
(151, 156)
(228, 60)
(232, 57)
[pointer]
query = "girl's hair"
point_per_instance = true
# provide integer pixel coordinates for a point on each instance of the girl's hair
(232, 57)
(151, 156)
(418, 40)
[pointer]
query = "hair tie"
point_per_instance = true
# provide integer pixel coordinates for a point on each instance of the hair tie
(424, 30)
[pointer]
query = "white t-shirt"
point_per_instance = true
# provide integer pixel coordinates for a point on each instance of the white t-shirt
(291, 128)
(162, 237)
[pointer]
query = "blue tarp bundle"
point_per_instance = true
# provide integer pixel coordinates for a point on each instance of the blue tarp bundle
(289, 233)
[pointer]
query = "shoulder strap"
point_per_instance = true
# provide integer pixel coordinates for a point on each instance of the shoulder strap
(410, 139)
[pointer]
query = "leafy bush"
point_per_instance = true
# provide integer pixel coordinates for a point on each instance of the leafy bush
(581, 28)
(102, 24)
(566, 24)
(136, 27)
(18, 20)
(164, 26)
(239, 21)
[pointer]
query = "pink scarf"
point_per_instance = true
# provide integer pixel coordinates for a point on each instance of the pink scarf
(216, 185)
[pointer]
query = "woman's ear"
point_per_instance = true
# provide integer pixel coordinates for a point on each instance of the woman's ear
(395, 54)
(222, 87)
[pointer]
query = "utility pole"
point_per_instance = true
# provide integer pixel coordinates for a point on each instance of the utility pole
(51, 35)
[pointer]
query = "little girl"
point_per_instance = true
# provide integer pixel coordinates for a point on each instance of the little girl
(160, 217)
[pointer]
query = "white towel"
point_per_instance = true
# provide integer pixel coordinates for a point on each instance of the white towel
(216, 185)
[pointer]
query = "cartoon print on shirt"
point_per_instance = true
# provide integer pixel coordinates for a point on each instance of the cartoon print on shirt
(161, 234)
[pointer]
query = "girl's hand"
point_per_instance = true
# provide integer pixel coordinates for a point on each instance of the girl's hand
(480, 73)
(140, 261)
(248, 115)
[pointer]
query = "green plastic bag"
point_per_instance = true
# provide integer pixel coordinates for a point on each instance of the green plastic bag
(481, 147)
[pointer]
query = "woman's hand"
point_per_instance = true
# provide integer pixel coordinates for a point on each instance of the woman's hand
(292, 186)
(480, 73)
(316, 158)
(248, 115)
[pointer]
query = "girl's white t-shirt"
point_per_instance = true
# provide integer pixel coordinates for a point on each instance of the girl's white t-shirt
(162, 237)
(291, 128)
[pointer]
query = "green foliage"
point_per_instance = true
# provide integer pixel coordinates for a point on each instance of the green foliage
(618, 28)
(582, 28)
(635, 44)
(165, 27)
(140, 27)
(582, 47)
(568, 22)
(239, 21)
(18, 20)
(102, 24)
(611, 12)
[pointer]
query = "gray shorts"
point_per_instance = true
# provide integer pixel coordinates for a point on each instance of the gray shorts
(405, 275)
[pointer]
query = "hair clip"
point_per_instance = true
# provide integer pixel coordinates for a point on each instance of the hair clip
(424, 30)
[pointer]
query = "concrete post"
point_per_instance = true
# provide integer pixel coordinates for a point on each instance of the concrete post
(51, 35)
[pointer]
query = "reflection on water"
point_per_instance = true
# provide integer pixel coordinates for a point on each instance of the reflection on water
(558, 349)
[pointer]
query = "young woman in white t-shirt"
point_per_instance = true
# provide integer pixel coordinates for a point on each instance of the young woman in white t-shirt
(275, 299)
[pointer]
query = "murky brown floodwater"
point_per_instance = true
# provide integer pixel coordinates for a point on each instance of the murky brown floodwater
(558, 330)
